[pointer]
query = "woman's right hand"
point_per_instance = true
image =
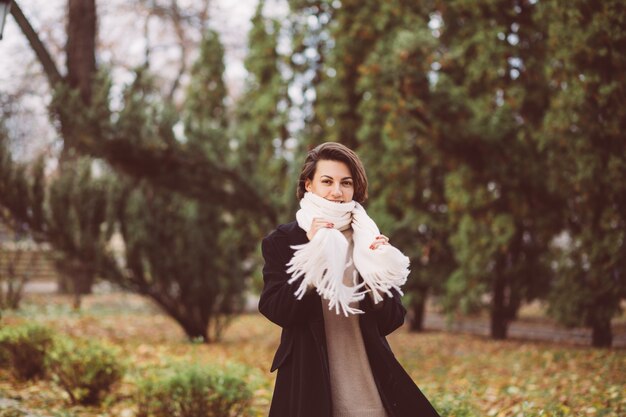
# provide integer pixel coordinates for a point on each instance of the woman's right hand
(316, 224)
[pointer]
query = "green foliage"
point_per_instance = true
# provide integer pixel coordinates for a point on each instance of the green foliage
(184, 253)
(262, 153)
(21, 187)
(190, 390)
(406, 171)
(205, 111)
(491, 87)
(25, 347)
(191, 252)
(583, 135)
(86, 370)
(77, 204)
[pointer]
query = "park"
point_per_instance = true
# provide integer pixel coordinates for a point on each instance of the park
(147, 148)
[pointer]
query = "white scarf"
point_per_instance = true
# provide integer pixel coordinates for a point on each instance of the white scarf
(322, 261)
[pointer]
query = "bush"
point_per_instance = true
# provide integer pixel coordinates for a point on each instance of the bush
(188, 390)
(24, 348)
(84, 369)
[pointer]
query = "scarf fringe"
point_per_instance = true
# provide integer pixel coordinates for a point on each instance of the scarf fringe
(321, 267)
(322, 261)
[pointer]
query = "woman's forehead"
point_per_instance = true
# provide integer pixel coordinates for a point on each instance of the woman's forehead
(331, 168)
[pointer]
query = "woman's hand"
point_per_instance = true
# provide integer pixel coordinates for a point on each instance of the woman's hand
(380, 240)
(318, 224)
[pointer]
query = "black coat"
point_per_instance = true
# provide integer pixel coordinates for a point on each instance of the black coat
(303, 382)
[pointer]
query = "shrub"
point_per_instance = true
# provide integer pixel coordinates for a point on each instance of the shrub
(24, 347)
(188, 390)
(84, 369)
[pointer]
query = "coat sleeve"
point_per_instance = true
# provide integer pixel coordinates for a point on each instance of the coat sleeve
(389, 313)
(278, 302)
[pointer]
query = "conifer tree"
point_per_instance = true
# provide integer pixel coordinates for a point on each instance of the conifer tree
(583, 134)
(396, 138)
(491, 73)
(262, 153)
(191, 257)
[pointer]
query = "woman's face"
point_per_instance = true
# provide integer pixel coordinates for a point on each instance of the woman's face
(332, 180)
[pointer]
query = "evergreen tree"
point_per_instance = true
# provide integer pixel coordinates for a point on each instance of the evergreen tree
(76, 210)
(85, 125)
(396, 137)
(189, 256)
(491, 74)
(262, 153)
(583, 134)
(69, 213)
(181, 254)
(204, 108)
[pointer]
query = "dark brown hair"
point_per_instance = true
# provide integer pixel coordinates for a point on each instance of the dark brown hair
(333, 151)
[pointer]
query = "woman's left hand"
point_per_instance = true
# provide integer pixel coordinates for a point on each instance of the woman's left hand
(380, 240)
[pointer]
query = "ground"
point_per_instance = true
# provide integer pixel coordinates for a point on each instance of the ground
(456, 371)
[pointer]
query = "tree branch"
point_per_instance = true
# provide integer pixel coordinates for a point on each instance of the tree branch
(50, 68)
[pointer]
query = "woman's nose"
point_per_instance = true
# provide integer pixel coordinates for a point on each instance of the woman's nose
(336, 190)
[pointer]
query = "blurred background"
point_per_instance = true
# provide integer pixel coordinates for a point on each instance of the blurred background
(147, 146)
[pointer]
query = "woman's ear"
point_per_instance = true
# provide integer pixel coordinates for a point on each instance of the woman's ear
(307, 184)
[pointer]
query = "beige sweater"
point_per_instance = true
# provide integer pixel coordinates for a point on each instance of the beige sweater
(352, 385)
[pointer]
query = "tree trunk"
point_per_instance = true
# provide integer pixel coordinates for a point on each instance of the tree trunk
(75, 278)
(602, 335)
(195, 330)
(81, 46)
(418, 308)
(499, 318)
(80, 53)
(193, 320)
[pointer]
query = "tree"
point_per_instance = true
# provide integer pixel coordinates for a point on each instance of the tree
(171, 165)
(190, 254)
(260, 128)
(583, 135)
(397, 142)
(491, 67)
(75, 214)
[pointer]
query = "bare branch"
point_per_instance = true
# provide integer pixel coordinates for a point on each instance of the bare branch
(50, 68)
(180, 33)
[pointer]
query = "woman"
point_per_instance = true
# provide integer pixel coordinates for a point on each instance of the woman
(332, 282)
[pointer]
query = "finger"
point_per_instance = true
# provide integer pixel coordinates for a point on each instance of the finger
(322, 221)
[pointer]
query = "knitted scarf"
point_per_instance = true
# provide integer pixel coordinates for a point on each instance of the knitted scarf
(322, 261)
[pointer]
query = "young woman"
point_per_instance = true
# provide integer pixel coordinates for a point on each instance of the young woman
(332, 282)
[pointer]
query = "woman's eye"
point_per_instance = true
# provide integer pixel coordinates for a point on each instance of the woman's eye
(325, 181)
(347, 184)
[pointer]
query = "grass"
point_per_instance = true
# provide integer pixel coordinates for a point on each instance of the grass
(463, 375)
